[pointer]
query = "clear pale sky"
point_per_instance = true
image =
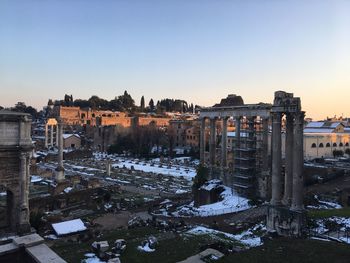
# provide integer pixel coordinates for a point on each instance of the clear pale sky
(196, 50)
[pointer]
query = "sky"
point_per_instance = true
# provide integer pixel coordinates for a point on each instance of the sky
(197, 50)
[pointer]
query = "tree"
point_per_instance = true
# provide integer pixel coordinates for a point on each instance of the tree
(347, 151)
(98, 103)
(338, 153)
(201, 176)
(142, 104)
(151, 105)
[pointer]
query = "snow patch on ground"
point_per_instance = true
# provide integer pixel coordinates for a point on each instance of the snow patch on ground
(247, 237)
(324, 204)
(186, 172)
(342, 225)
(231, 202)
(146, 248)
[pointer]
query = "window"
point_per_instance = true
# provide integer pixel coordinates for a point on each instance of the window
(328, 144)
(313, 145)
(321, 145)
(334, 145)
(341, 144)
(347, 144)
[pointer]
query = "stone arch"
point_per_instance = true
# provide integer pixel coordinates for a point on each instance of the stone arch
(313, 145)
(15, 148)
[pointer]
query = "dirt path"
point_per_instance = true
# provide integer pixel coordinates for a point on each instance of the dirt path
(112, 221)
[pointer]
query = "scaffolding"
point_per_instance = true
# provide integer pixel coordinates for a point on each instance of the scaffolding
(247, 155)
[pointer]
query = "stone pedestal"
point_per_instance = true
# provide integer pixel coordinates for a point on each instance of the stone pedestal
(286, 222)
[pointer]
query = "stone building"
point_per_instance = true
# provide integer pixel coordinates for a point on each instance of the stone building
(256, 169)
(322, 138)
(15, 149)
(72, 141)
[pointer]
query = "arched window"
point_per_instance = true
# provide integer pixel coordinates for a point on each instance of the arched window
(328, 144)
(334, 144)
(347, 144)
(321, 145)
(313, 145)
(341, 144)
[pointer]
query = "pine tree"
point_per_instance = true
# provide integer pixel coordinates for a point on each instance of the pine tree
(151, 105)
(142, 103)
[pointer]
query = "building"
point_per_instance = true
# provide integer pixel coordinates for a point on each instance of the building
(71, 141)
(322, 138)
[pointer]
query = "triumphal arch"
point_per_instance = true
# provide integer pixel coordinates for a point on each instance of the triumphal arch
(15, 150)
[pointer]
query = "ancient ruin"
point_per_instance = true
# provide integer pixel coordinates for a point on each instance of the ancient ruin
(248, 172)
(15, 149)
(286, 214)
(254, 171)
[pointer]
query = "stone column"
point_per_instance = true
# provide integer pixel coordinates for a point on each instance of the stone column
(212, 141)
(276, 159)
(108, 168)
(46, 134)
(23, 212)
(288, 177)
(298, 162)
(202, 141)
(60, 168)
(237, 135)
(57, 136)
(23, 178)
(265, 143)
(224, 143)
(51, 135)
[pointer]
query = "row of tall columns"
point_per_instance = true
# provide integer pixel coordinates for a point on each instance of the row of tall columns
(51, 138)
(294, 158)
(212, 140)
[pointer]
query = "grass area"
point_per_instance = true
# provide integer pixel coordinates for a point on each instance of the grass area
(293, 251)
(172, 247)
(343, 212)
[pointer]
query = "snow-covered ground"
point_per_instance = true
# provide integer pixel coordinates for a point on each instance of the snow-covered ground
(341, 227)
(248, 238)
(324, 204)
(186, 172)
(231, 202)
